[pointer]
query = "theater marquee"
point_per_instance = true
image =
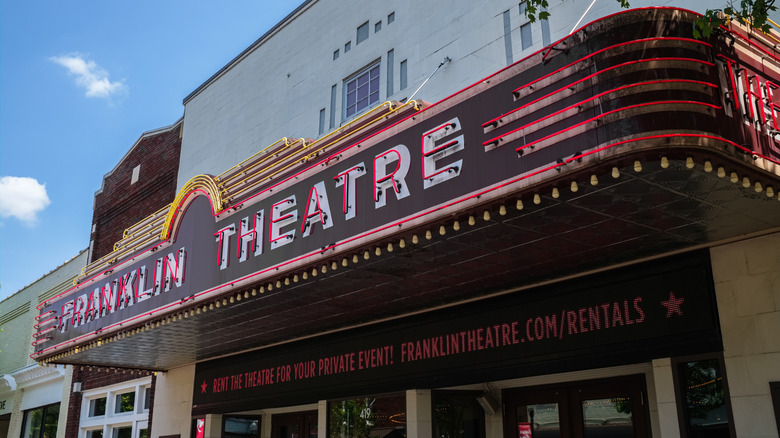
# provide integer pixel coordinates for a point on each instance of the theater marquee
(643, 90)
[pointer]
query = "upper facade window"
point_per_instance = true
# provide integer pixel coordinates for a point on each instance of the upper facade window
(362, 33)
(361, 91)
(118, 411)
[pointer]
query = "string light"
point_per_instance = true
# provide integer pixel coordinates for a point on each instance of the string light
(708, 166)
(456, 226)
(594, 180)
(442, 230)
(519, 204)
(664, 162)
(537, 199)
(502, 210)
(574, 187)
(486, 215)
(555, 193)
(721, 172)
(616, 172)
(689, 163)
(637, 167)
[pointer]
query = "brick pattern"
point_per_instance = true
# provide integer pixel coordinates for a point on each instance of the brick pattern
(97, 378)
(120, 204)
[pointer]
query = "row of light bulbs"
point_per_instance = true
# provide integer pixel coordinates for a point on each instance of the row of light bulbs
(366, 255)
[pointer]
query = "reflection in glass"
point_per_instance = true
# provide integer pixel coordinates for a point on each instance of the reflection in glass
(540, 420)
(705, 400)
(457, 416)
(33, 422)
(125, 402)
(52, 417)
(41, 422)
(608, 417)
(97, 407)
(368, 417)
(122, 432)
(240, 427)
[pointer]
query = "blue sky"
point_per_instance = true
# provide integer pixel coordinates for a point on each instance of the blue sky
(80, 81)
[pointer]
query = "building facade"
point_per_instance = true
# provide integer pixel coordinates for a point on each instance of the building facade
(33, 398)
(537, 234)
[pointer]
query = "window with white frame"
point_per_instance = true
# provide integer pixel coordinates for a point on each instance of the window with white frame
(116, 411)
(361, 90)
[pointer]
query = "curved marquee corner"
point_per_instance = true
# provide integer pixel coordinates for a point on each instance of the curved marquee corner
(199, 185)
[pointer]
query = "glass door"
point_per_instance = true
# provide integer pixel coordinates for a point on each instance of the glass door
(294, 425)
(604, 409)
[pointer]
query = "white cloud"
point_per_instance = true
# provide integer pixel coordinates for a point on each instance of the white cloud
(89, 75)
(22, 198)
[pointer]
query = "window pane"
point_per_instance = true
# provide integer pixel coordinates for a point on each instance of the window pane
(525, 36)
(609, 417)
(32, 423)
(125, 402)
(457, 416)
(383, 416)
(362, 33)
(97, 407)
(538, 421)
(122, 432)
(97, 433)
(705, 401)
(143, 433)
(403, 74)
(362, 93)
(240, 427)
(52, 417)
(148, 391)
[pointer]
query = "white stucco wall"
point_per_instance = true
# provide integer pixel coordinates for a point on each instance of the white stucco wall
(172, 413)
(278, 89)
(747, 285)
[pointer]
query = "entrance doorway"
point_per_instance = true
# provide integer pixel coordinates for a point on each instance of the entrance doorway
(614, 408)
(294, 425)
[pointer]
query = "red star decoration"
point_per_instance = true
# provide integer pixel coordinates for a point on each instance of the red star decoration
(203, 387)
(673, 305)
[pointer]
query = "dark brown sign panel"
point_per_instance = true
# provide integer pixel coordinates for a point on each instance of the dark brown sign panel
(645, 83)
(659, 309)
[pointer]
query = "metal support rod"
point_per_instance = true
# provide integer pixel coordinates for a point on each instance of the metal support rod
(443, 61)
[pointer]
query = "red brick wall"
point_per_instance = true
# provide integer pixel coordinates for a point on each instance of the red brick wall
(98, 378)
(120, 204)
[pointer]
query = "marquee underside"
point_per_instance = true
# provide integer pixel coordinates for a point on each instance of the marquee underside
(632, 217)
